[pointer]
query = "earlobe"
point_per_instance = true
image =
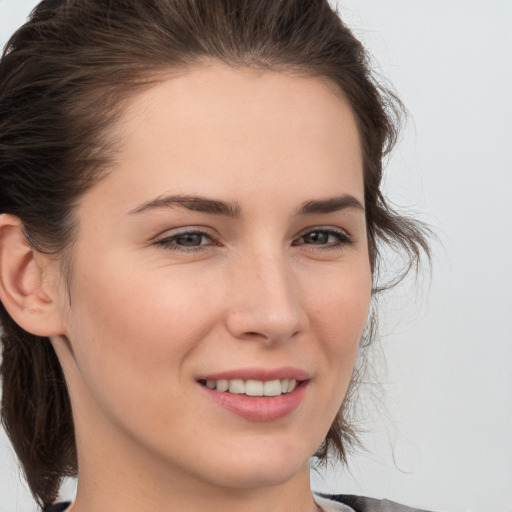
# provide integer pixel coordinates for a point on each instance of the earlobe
(23, 290)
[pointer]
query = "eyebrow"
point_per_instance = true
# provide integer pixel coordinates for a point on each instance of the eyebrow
(330, 205)
(218, 207)
(193, 203)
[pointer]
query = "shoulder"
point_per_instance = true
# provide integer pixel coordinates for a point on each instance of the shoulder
(363, 504)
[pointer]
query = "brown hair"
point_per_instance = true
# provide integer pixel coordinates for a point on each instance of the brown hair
(64, 78)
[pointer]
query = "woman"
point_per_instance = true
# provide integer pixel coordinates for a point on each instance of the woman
(190, 230)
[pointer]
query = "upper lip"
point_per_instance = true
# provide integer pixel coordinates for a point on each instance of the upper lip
(263, 374)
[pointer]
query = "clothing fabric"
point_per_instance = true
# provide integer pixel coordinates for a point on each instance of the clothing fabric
(363, 504)
(328, 503)
(58, 507)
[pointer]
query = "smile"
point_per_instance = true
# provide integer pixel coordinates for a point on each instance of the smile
(252, 387)
(255, 394)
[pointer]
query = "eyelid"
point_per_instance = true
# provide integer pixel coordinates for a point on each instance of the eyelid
(168, 233)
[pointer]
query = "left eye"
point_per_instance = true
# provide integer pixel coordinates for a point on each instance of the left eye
(325, 237)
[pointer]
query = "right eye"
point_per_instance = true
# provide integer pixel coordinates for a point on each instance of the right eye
(186, 241)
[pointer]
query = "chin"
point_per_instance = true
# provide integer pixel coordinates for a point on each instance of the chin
(259, 477)
(264, 466)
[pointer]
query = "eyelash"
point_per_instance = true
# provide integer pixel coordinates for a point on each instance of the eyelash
(343, 240)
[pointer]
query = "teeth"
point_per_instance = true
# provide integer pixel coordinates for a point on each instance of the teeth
(272, 388)
(253, 387)
(222, 385)
(237, 387)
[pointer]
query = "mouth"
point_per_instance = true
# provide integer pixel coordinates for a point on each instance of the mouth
(252, 387)
(257, 395)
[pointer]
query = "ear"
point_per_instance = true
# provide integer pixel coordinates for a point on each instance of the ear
(27, 294)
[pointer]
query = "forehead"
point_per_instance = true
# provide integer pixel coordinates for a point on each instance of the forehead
(219, 130)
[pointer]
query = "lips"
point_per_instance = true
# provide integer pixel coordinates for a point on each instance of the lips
(257, 394)
(263, 374)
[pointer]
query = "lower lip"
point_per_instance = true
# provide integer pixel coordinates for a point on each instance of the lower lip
(270, 408)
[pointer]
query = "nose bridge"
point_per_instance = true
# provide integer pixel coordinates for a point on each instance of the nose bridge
(267, 302)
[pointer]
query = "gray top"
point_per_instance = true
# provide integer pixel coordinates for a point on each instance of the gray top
(328, 503)
(346, 503)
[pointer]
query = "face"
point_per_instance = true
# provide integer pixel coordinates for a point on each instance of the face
(226, 249)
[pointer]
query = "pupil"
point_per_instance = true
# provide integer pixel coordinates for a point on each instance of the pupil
(189, 240)
(316, 238)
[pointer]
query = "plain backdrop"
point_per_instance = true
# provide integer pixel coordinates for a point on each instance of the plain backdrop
(439, 425)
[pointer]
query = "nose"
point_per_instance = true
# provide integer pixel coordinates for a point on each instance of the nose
(265, 301)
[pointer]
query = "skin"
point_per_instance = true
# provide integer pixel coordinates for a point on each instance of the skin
(142, 319)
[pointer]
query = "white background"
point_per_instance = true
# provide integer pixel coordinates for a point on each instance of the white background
(440, 425)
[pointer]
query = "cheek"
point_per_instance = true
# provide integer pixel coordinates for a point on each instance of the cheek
(131, 341)
(126, 297)
(127, 333)
(340, 305)
(339, 314)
